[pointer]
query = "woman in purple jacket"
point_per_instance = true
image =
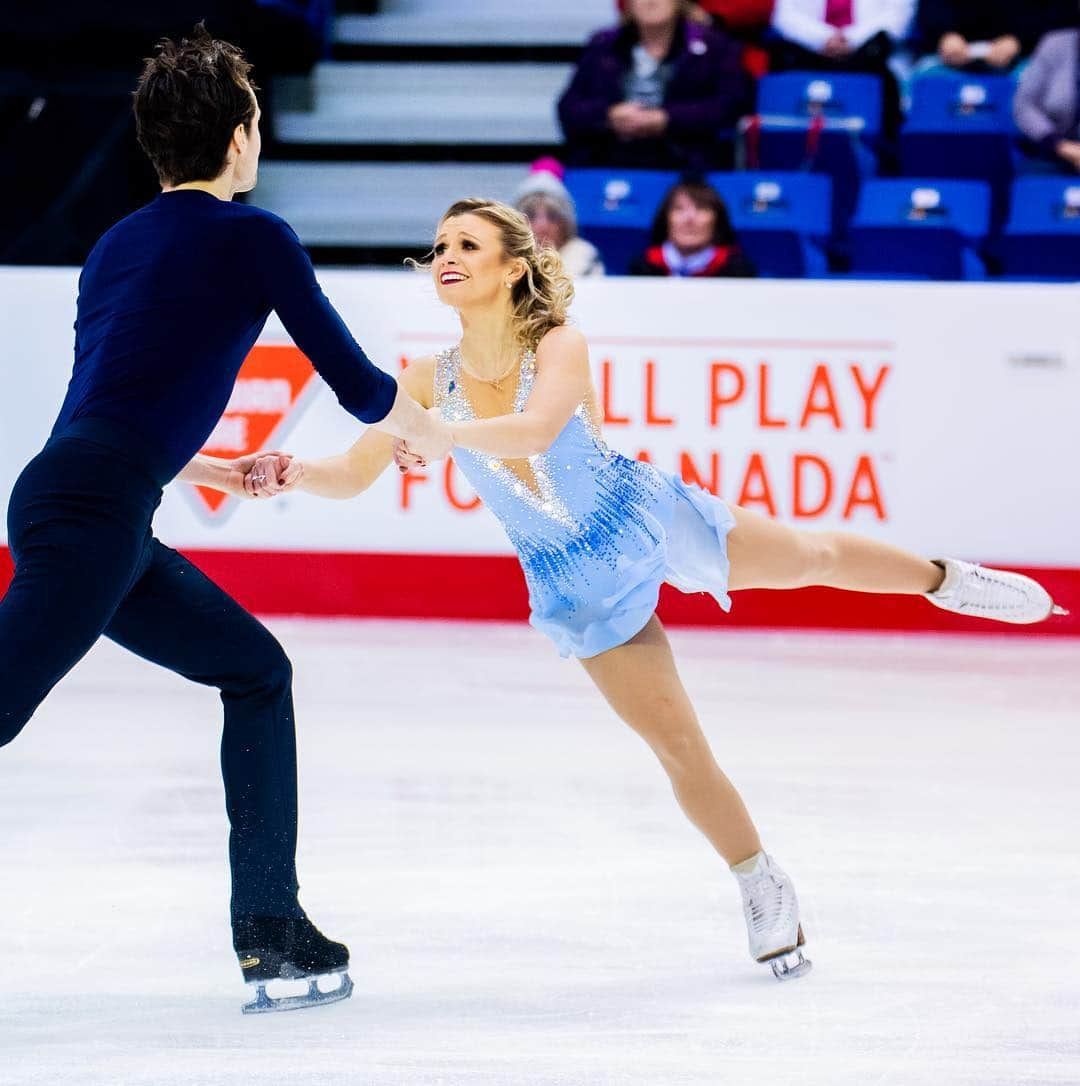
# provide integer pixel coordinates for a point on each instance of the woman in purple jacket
(653, 92)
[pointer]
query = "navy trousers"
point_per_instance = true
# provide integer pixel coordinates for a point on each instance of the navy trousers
(87, 564)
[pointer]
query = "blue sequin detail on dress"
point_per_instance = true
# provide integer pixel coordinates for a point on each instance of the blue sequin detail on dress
(599, 533)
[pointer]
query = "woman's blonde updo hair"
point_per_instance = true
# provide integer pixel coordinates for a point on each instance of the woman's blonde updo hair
(543, 294)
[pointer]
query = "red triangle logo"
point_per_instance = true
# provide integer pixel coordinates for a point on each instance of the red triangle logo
(268, 386)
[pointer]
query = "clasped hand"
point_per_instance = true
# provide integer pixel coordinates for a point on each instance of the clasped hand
(267, 474)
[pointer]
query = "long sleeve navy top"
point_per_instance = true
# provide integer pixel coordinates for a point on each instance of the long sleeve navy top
(171, 300)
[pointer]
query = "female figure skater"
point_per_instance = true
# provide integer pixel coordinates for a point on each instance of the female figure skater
(597, 533)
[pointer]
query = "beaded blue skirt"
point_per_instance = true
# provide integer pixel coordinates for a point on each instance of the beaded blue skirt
(596, 533)
(681, 539)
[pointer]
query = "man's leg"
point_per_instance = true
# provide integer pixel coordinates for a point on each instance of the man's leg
(176, 617)
(75, 557)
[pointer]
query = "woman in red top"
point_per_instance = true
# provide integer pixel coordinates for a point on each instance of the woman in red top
(692, 236)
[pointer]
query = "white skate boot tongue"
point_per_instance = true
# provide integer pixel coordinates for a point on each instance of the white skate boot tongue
(753, 865)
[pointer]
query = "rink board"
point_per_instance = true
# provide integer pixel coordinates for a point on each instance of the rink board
(942, 417)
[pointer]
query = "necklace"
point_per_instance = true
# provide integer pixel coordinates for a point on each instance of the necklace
(495, 382)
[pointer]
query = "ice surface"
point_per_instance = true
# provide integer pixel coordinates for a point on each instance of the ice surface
(524, 901)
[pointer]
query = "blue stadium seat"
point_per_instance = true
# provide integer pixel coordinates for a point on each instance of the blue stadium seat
(961, 128)
(615, 209)
(820, 122)
(832, 96)
(920, 229)
(1042, 236)
(782, 219)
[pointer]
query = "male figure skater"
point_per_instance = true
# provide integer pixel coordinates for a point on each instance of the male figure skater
(171, 300)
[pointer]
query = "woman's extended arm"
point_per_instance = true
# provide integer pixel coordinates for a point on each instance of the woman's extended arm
(562, 382)
(353, 471)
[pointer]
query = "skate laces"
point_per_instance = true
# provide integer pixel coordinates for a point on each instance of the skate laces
(764, 895)
(990, 591)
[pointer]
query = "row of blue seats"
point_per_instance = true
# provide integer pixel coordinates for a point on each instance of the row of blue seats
(902, 227)
(958, 126)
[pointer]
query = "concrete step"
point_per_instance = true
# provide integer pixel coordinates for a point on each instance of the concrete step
(374, 204)
(357, 102)
(477, 22)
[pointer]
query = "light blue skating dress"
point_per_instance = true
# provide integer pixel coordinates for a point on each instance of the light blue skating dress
(599, 533)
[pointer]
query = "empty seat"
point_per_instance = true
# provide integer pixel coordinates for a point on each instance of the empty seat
(831, 96)
(782, 219)
(920, 229)
(961, 128)
(1042, 236)
(615, 209)
(823, 122)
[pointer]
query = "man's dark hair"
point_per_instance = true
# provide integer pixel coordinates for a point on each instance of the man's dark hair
(188, 102)
(703, 195)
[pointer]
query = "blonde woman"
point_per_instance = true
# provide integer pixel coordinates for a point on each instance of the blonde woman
(598, 533)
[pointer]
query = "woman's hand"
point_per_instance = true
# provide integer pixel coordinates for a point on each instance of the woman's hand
(633, 121)
(405, 458)
(269, 474)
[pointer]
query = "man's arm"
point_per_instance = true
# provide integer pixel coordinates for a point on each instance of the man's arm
(362, 389)
(223, 475)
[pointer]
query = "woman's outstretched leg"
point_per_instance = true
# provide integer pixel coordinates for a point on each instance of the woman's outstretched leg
(767, 554)
(642, 685)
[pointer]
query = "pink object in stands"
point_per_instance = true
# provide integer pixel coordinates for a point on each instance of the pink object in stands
(838, 13)
(547, 164)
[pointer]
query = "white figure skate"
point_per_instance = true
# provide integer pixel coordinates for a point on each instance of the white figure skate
(771, 910)
(991, 593)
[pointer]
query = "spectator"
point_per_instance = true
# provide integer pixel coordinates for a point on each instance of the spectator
(653, 92)
(543, 199)
(746, 20)
(1047, 101)
(989, 34)
(692, 236)
(844, 36)
(736, 16)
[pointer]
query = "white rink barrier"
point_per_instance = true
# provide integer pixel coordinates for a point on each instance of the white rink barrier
(944, 417)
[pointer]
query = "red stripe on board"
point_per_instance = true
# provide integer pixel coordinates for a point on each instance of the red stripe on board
(492, 587)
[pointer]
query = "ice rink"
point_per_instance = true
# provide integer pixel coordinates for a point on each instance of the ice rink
(524, 902)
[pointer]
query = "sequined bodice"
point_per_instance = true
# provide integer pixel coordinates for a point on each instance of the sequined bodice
(589, 503)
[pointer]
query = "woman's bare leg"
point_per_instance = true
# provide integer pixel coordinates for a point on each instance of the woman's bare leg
(766, 554)
(641, 684)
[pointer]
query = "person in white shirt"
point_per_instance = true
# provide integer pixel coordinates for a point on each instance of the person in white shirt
(844, 36)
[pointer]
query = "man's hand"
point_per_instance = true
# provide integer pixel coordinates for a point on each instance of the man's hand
(268, 474)
(837, 46)
(953, 50)
(436, 441)
(1003, 51)
(239, 468)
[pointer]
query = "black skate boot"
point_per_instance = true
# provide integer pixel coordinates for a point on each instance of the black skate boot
(287, 948)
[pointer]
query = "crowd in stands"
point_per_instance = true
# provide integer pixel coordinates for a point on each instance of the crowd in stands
(666, 85)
